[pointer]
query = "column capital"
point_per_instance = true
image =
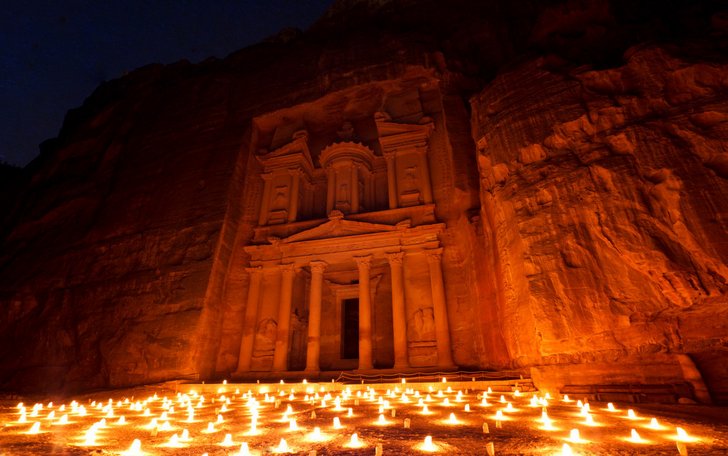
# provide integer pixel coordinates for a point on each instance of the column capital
(395, 257)
(287, 267)
(295, 171)
(318, 266)
(389, 155)
(433, 255)
(364, 262)
(254, 269)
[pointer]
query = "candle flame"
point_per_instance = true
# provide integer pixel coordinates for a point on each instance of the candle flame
(427, 445)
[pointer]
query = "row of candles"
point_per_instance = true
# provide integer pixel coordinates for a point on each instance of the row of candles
(185, 409)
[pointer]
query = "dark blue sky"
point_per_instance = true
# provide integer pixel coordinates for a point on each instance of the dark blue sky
(53, 54)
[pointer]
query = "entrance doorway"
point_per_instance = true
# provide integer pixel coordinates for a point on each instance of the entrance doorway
(350, 328)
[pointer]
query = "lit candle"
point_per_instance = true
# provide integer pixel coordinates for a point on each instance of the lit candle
(574, 436)
(635, 437)
(228, 441)
(282, 447)
(337, 423)
(35, 428)
(427, 445)
(135, 449)
(244, 450)
(354, 442)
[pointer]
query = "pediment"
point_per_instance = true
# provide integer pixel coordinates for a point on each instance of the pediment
(389, 128)
(339, 227)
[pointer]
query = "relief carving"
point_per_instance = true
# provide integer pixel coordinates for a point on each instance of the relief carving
(423, 325)
(265, 337)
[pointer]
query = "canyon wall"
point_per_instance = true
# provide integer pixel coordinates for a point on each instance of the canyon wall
(585, 205)
(604, 201)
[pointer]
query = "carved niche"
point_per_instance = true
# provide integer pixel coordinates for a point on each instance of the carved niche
(404, 146)
(287, 172)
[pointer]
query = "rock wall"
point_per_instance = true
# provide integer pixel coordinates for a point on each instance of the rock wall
(590, 246)
(604, 201)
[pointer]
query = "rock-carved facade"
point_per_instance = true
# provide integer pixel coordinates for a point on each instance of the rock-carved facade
(347, 243)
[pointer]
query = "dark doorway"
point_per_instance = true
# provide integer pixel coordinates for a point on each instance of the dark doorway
(350, 328)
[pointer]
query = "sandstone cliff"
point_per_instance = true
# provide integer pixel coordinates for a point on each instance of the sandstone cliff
(594, 220)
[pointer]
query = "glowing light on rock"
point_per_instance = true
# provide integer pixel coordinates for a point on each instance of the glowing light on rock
(509, 408)
(655, 425)
(631, 414)
(337, 423)
(350, 413)
(210, 428)
(467, 407)
(566, 399)
(610, 407)
(165, 426)
(292, 425)
(566, 450)
(499, 415)
(63, 419)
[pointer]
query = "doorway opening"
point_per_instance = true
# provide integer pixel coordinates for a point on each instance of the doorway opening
(350, 328)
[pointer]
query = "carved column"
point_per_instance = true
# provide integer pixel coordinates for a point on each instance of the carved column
(354, 189)
(265, 202)
(250, 319)
(442, 329)
(399, 317)
(426, 184)
(280, 355)
(391, 180)
(294, 197)
(313, 348)
(365, 313)
(330, 189)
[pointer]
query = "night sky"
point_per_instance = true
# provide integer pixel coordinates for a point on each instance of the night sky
(54, 53)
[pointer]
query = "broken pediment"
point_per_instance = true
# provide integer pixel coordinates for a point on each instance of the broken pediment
(394, 134)
(337, 226)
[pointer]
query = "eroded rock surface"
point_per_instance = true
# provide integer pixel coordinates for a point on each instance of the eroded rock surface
(608, 211)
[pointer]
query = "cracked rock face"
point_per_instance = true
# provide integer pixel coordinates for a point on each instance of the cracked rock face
(604, 195)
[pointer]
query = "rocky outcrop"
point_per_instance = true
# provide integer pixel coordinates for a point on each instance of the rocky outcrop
(587, 241)
(605, 200)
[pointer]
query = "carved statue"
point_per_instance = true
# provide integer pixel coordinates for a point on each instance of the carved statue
(280, 201)
(424, 324)
(265, 335)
